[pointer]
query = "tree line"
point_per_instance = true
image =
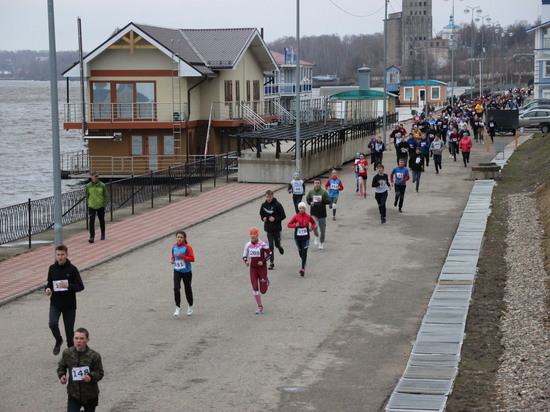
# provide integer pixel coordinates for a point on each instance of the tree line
(330, 53)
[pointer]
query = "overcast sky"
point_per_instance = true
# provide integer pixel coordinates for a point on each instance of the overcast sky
(24, 23)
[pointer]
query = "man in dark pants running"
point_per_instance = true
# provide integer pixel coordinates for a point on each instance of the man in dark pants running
(63, 282)
(272, 214)
(399, 177)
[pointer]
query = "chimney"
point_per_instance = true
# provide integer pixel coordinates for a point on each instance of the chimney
(363, 75)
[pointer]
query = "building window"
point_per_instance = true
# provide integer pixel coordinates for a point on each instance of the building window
(137, 146)
(248, 90)
(101, 100)
(546, 38)
(123, 100)
(168, 144)
(237, 90)
(393, 78)
(408, 93)
(228, 90)
(546, 68)
(435, 93)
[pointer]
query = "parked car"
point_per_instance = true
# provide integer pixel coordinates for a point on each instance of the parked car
(538, 117)
(534, 104)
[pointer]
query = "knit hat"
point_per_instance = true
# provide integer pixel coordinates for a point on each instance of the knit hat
(302, 204)
(254, 231)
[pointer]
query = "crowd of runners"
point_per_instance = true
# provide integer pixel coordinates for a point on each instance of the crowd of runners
(426, 142)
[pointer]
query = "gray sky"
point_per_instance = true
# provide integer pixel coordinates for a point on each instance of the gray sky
(24, 23)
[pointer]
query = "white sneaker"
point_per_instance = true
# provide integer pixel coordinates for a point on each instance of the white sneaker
(189, 310)
(320, 245)
(315, 240)
(177, 311)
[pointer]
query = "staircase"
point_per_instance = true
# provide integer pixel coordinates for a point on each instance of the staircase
(177, 114)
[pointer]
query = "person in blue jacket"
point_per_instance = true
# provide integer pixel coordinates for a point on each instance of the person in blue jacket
(399, 177)
(425, 147)
(181, 257)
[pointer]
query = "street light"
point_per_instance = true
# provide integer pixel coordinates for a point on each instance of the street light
(488, 20)
(467, 10)
(453, 45)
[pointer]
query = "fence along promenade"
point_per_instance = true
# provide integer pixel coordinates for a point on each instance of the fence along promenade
(37, 216)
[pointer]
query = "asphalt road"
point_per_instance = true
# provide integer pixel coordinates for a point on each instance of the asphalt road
(336, 340)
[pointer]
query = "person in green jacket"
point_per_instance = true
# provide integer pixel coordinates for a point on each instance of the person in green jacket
(85, 370)
(97, 197)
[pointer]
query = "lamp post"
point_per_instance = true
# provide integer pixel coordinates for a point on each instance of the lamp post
(297, 150)
(384, 104)
(488, 20)
(467, 10)
(453, 45)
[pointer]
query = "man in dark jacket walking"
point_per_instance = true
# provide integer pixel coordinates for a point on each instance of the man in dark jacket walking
(63, 282)
(272, 214)
(85, 370)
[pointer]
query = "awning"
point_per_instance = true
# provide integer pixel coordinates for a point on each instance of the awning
(361, 95)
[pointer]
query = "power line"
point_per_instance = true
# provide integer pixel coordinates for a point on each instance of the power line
(355, 15)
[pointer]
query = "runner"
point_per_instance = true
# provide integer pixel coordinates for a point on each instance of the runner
(452, 137)
(416, 164)
(297, 188)
(181, 257)
(255, 255)
(361, 169)
(318, 199)
(381, 184)
(436, 149)
(334, 186)
(399, 177)
(272, 214)
(379, 149)
(465, 147)
(357, 155)
(85, 370)
(63, 283)
(302, 223)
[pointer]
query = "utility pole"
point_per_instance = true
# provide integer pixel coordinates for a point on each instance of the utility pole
(298, 78)
(56, 152)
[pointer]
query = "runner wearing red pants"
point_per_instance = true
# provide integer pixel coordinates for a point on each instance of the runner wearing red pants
(255, 255)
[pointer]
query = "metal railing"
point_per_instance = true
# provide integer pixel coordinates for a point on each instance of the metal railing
(147, 112)
(36, 216)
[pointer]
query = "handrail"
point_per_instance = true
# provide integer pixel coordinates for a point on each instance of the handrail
(36, 216)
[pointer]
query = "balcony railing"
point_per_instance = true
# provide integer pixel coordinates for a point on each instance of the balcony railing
(160, 112)
(285, 88)
(149, 112)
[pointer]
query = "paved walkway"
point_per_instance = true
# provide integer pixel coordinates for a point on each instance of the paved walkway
(26, 272)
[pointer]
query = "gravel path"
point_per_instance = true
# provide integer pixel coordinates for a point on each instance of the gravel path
(523, 378)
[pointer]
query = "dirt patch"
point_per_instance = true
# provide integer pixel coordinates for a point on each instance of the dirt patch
(526, 171)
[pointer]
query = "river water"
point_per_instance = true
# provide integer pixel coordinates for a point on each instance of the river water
(26, 140)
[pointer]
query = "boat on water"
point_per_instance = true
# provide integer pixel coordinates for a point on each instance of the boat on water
(325, 78)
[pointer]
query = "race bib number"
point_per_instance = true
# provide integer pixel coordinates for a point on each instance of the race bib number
(79, 372)
(254, 253)
(298, 188)
(418, 160)
(57, 285)
(334, 186)
(317, 198)
(179, 264)
(302, 231)
(361, 167)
